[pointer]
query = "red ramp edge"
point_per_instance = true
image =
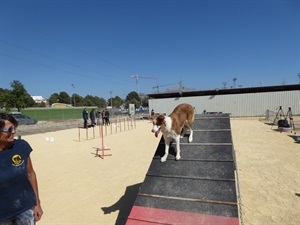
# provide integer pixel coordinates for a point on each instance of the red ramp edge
(151, 216)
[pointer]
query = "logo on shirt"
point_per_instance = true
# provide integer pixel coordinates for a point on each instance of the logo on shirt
(17, 160)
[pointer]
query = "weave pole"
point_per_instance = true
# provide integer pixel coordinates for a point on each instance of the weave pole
(103, 147)
(86, 133)
(78, 133)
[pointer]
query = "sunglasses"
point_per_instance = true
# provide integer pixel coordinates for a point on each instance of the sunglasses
(9, 130)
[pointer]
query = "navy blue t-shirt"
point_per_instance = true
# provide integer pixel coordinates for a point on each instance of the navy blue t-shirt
(16, 192)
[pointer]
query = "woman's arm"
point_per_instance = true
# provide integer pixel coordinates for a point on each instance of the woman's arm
(38, 212)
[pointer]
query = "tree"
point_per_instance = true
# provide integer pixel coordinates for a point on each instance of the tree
(79, 100)
(117, 102)
(133, 98)
(4, 96)
(19, 97)
(100, 102)
(89, 100)
(145, 101)
(54, 98)
(64, 97)
(76, 100)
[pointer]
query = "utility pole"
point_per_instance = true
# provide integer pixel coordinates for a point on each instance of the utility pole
(74, 95)
(111, 99)
(299, 77)
(180, 87)
(224, 84)
(157, 88)
(234, 82)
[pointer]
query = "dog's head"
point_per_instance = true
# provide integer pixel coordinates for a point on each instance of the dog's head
(158, 121)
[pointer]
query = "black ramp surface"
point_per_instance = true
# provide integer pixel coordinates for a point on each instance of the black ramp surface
(190, 188)
(203, 180)
(204, 170)
(192, 151)
(217, 136)
(208, 123)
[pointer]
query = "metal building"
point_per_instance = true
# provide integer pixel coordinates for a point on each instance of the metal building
(253, 101)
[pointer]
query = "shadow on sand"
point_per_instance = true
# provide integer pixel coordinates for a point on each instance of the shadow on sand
(296, 138)
(124, 204)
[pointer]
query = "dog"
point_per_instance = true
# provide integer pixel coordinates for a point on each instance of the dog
(174, 126)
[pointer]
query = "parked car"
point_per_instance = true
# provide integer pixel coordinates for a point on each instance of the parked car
(23, 119)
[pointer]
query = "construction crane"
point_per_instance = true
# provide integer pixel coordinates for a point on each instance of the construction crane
(158, 86)
(137, 77)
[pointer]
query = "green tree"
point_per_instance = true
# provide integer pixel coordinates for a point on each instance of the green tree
(79, 101)
(89, 100)
(64, 97)
(99, 102)
(117, 102)
(4, 94)
(54, 98)
(145, 101)
(133, 98)
(19, 97)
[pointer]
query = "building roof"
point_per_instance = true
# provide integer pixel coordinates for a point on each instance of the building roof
(228, 91)
(38, 98)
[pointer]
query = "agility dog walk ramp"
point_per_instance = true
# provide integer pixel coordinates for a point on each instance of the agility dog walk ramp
(200, 188)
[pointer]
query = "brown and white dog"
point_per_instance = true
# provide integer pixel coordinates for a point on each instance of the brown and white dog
(174, 126)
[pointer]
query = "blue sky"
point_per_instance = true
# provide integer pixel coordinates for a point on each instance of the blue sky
(92, 47)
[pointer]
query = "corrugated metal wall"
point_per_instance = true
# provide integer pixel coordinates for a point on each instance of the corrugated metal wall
(253, 104)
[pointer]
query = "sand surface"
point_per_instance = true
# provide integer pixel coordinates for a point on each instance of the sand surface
(78, 188)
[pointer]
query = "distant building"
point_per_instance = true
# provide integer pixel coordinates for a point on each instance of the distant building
(39, 99)
(251, 101)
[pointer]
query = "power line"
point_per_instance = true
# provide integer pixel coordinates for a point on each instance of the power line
(30, 27)
(59, 60)
(58, 69)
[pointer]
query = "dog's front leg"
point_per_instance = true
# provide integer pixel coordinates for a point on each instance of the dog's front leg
(167, 146)
(191, 136)
(177, 139)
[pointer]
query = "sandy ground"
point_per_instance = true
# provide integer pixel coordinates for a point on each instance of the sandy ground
(268, 169)
(78, 188)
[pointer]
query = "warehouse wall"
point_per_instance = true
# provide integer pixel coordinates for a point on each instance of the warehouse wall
(252, 104)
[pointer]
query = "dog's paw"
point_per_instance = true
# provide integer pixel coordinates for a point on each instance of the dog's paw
(177, 157)
(163, 159)
(190, 139)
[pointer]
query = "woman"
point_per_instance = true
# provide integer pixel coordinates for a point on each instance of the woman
(19, 198)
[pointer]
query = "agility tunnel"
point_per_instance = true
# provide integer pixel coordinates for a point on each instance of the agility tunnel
(200, 188)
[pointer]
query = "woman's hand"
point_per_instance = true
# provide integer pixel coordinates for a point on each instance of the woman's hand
(38, 212)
